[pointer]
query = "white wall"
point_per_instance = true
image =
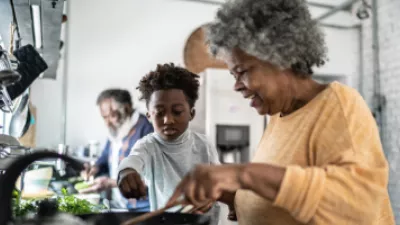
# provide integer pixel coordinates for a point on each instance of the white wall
(46, 96)
(389, 75)
(198, 124)
(343, 54)
(113, 44)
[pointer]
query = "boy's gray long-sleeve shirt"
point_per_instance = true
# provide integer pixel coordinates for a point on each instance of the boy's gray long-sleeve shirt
(162, 165)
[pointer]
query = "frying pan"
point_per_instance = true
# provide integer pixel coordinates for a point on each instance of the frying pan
(164, 219)
(16, 167)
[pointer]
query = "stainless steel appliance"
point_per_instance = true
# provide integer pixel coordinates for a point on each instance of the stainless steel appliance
(233, 143)
(60, 164)
(229, 116)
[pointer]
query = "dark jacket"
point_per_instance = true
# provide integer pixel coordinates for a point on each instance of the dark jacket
(139, 130)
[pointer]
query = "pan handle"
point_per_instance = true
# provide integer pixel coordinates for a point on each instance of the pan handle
(10, 177)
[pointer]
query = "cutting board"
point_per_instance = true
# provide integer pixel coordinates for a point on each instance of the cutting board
(38, 195)
(36, 183)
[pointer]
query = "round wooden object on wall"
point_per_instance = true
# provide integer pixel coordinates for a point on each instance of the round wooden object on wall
(196, 55)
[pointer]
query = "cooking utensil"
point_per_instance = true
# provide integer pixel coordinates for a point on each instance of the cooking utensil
(164, 218)
(9, 178)
(60, 164)
(152, 214)
(185, 208)
(10, 146)
(30, 66)
(21, 118)
(7, 78)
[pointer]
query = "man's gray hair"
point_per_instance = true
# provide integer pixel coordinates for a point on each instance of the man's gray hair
(280, 32)
(121, 96)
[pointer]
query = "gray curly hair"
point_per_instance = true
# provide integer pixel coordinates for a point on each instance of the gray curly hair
(280, 32)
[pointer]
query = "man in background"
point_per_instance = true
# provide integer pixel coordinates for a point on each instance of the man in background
(125, 126)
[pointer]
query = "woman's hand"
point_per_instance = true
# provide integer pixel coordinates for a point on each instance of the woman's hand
(209, 182)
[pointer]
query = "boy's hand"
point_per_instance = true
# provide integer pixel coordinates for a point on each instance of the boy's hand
(130, 184)
(232, 215)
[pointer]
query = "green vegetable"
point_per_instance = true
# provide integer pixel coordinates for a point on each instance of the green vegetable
(75, 179)
(66, 203)
(15, 193)
(82, 185)
(70, 204)
(22, 208)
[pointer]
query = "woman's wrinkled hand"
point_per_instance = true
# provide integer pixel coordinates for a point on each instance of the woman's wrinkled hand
(209, 182)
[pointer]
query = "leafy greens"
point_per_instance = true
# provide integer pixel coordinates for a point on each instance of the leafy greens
(65, 203)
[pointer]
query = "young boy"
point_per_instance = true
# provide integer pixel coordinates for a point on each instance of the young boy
(164, 157)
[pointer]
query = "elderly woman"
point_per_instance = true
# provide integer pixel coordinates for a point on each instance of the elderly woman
(320, 161)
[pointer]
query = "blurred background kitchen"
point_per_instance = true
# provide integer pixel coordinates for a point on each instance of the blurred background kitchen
(112, 44)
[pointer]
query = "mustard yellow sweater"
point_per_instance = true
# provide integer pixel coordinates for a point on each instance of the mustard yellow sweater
(336, 170)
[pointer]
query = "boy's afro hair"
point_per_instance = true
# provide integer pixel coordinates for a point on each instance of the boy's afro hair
(169, 76)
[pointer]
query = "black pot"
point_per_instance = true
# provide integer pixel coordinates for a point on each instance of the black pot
(9, 179)
(164, 219)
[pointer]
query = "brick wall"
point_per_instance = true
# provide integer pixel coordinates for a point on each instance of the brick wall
(389, 40)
